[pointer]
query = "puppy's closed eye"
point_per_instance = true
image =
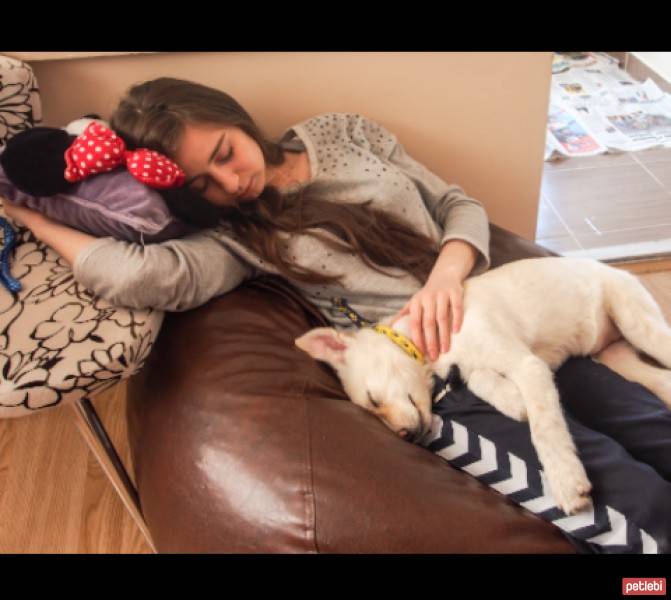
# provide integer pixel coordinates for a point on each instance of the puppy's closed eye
(374, 402)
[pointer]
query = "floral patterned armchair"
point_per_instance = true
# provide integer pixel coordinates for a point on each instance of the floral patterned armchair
(59, 344)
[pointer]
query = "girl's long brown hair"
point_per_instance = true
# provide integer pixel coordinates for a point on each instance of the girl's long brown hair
(153, 115)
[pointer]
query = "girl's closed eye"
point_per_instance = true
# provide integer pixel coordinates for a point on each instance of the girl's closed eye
(226, 158)
(201, 184)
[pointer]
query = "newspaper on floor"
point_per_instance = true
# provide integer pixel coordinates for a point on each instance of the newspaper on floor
(598, 108)
(569, 135)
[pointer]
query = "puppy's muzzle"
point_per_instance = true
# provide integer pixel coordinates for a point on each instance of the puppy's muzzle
(411, 435)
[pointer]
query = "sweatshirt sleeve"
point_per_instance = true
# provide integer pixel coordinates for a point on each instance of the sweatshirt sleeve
(459, 216)
(176, 275)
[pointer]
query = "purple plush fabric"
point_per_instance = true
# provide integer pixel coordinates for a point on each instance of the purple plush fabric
(114, 204)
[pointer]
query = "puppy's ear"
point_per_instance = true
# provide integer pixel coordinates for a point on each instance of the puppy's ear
(324, 343)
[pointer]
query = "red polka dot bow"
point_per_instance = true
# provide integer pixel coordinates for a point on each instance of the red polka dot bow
(100, 150)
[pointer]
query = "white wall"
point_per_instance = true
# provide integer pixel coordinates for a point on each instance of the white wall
(474, 118)
(660, 62)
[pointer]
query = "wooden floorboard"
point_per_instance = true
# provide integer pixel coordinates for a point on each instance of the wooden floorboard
(54, 497)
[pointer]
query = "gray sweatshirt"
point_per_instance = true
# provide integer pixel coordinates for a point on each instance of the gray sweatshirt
(354, 159)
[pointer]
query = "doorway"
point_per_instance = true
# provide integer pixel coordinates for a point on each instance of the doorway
(606, 187)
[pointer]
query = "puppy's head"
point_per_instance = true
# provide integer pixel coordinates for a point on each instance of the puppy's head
(377, 375)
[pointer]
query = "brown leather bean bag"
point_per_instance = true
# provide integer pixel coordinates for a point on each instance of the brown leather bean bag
(242, 443)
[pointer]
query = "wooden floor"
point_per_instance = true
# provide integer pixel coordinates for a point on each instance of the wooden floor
(54, 498)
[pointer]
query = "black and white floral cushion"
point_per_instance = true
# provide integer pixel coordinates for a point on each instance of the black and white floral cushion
(20, 106)
(58, 342)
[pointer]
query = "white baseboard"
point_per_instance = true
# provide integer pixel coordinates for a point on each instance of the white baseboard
(624, 251)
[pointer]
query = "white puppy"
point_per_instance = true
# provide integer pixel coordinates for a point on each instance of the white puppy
(521, 322)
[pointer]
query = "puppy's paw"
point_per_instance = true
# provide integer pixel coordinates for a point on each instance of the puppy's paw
(514, 410)
(570, 487)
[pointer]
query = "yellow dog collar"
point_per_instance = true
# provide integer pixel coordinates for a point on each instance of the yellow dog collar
(399, 339)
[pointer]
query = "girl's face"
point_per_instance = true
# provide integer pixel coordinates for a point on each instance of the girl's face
(222, 163)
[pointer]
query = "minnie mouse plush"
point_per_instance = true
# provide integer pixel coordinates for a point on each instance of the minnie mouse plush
(84, 176)
(45, 161)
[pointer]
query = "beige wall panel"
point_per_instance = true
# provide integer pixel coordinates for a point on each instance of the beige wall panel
(477, 119)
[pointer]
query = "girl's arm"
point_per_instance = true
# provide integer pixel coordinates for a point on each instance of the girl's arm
(436, 310)
(174, 275)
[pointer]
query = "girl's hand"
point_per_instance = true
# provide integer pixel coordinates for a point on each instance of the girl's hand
(66, 241)
(24, 216)
(435, 311)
